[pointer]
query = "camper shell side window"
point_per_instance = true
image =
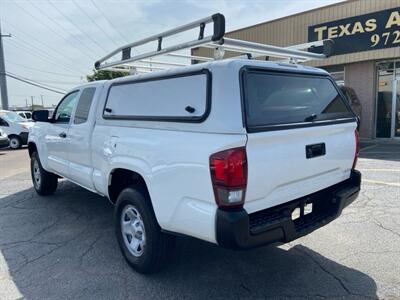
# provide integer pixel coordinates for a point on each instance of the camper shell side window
(175, 98)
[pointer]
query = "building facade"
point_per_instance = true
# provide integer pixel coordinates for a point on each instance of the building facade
(366, 54)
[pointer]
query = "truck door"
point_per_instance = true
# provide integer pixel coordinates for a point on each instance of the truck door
(56, 138)
(79, 134)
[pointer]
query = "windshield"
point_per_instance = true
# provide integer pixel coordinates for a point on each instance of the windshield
(11, 116)
(282, 98)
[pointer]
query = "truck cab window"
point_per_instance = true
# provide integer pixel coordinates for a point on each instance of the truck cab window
(65, 108)
(84, 104)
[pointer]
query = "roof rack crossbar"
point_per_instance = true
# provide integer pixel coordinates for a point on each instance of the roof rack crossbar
(164, 63)
(269, 50)
(194, 57)
(307, 45)
(137, 66)
(128, 68)
(253, 50)
(241, 50)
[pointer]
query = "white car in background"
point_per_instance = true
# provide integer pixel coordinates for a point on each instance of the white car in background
(16, 128)
(4, 141)
(25, 114)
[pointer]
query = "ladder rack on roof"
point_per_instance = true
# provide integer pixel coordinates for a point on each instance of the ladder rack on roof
(144, 62)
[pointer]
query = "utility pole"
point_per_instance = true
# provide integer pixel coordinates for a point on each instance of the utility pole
(3, 81)
(41, 97)
(32, 103)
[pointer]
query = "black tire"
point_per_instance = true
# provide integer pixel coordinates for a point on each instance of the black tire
(15, 142)
(158, 245)
(45, 183)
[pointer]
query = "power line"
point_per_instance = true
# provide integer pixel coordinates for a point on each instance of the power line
(25, 50)
(61, 82)
(40, 56)
(42, 81)
(48, 54)
(32, 81)
(38, 70)
(47, 26)
(58, 24)
(46, 45)
(26, 95)
(110, 23)
(72, 22)
(37, 84)
(94, 23)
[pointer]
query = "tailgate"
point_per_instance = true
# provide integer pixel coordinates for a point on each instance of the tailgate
(279, 170)
(300, 136)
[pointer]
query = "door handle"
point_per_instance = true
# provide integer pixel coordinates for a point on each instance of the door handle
(62, 135)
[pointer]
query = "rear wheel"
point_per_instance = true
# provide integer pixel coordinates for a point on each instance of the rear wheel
(142, 243)
(15, 142)
(45, 183)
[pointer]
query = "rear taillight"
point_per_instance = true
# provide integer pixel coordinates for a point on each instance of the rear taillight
(229, 177)
(357, 141)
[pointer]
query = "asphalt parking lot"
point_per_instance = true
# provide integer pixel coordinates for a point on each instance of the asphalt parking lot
(64, 246)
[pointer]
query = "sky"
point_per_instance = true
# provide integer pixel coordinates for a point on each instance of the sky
(56, 42)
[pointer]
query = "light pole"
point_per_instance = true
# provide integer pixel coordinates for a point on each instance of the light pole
(3, 81)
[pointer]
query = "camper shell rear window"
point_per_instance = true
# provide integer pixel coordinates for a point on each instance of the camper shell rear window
(175, 98)
(278, 100)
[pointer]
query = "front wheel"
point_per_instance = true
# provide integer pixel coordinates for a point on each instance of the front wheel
(45, 183)
(142, 243)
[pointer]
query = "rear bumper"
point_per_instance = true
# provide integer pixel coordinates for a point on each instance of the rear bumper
(239, 230)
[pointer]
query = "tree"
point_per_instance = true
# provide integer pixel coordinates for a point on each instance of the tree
(106, 74)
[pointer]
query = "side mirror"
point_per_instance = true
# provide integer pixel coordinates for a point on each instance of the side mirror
(40, 115)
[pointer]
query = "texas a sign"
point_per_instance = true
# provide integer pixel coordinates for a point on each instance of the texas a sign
(372, 31)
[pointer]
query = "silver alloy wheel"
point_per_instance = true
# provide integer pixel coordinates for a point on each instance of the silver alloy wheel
(36, 174)
(14, 143)
(133, 231)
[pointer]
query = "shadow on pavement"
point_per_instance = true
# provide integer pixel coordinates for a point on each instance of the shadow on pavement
(8, 149)
(379, 150)
(63, 246)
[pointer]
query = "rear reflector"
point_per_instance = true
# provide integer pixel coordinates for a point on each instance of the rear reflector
(229, 177)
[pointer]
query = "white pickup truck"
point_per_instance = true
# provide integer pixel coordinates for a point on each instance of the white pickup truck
(237, 152)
